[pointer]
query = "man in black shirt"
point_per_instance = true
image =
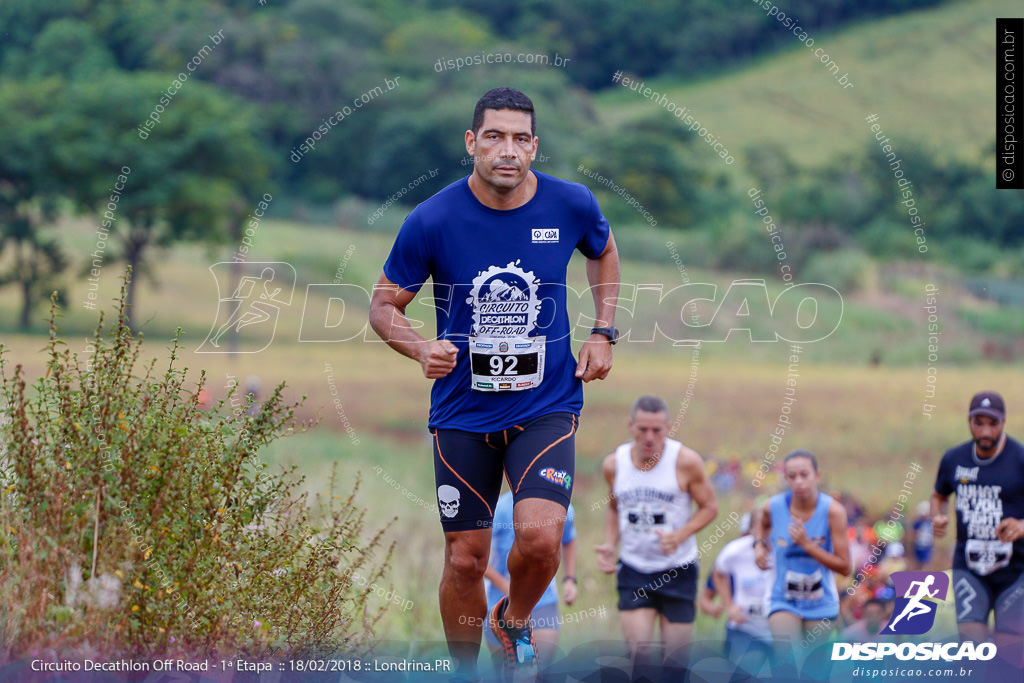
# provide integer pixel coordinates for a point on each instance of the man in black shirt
(987, 475)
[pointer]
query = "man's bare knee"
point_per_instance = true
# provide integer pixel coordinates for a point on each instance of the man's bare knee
(467, 567)
(466, 556)
(538, 544)
(642, 650)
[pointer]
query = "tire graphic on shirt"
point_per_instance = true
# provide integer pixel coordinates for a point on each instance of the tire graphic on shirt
(504, 301)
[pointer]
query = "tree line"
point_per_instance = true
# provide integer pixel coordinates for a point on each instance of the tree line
(206, 104)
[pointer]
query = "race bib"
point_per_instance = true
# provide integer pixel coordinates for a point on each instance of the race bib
(984, 557)
(646, 518)
(506, 363)
(804, 586)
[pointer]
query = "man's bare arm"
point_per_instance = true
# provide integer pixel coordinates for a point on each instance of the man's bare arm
(690, 467)
(387, 318)
(607, 552)
(603, 275)
(940, 514)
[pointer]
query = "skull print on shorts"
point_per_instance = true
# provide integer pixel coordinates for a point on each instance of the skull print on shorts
(448, 500)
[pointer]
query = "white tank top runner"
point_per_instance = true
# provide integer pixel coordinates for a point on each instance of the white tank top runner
(648, 501)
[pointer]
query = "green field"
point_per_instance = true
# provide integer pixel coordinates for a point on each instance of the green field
(928, 75)
(882, 321)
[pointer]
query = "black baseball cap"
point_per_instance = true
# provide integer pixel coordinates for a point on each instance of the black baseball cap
(988, 403)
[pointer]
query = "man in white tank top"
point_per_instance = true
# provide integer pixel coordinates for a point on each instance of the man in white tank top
(654, 483)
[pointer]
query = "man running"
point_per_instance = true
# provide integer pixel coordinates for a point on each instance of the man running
(507, 391)
(987, 475)
(653, 483)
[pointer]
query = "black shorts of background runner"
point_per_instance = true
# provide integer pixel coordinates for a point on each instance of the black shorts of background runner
(537, 458)
(672, 592)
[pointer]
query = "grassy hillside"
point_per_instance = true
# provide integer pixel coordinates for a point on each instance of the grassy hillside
(928, 75)
(883, 321)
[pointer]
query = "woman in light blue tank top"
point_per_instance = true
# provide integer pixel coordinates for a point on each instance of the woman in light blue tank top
(803, 534)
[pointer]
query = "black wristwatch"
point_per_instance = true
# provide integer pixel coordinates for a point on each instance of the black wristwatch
(611, 332)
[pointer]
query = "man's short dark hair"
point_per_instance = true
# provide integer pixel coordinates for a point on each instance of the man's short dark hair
(802, 454)
(503, 98)
(648, 404)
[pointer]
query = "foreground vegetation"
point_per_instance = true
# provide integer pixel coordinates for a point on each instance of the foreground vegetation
(138, 522)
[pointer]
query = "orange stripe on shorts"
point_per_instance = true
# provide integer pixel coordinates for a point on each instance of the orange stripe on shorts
(459, 477)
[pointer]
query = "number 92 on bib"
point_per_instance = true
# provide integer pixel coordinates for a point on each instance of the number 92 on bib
(506, 363)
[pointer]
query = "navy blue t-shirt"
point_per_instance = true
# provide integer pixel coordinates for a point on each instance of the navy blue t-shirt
(987, 490)
(499, 276)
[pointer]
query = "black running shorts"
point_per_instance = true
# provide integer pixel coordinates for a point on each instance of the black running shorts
(537, 458)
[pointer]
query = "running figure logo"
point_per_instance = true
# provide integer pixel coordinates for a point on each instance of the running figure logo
(253, 305)
(914, 613)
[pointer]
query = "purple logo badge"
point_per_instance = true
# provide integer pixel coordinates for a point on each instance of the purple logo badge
(914, 611)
